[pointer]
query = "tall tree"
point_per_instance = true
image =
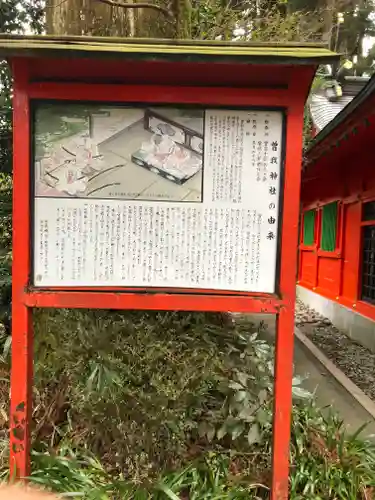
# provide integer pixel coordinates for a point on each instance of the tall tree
(115, 18)
(356, 26)
(357, 23)
(15, 17)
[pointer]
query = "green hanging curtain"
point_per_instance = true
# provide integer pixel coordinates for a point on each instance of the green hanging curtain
(329, 227)
(309, 228)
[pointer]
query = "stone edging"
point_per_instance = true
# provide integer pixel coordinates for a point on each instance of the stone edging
(367, 403)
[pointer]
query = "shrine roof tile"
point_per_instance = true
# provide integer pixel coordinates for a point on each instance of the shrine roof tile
(342, 123)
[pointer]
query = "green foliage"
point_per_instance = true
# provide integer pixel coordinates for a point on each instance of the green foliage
(175, 405)
(83, 476)
(246, 415)
(5, 119)
(345, 37)
(5, 210)
(16, 16)
(5, 251)
(153, 377)
(69, 472)
(366, 65)
(326, 462)
(276, 25)
(357, 24)
(320, 474)
(210, 19)
(307, 128)
(265, 21)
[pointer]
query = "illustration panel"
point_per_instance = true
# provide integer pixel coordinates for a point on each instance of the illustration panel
(124, 153)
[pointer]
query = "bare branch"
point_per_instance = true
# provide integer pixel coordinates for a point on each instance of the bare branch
(55, 6)
(144, 5)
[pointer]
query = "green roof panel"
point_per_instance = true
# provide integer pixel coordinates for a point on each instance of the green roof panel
(239, 52)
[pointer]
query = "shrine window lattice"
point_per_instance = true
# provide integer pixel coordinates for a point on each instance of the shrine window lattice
(368, 254)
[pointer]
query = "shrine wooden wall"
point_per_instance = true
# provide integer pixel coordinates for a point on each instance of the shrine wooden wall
(331, 261)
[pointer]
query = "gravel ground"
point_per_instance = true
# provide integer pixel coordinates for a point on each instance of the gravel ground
(356, 361)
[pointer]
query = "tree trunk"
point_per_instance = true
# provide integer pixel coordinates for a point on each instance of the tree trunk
(329, 22)
(96, 18)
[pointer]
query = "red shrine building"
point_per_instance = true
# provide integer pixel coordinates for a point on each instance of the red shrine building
(336, 273)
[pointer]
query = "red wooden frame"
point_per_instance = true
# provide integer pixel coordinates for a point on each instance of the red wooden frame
(25, 297)
(315, 249)
(355, 303)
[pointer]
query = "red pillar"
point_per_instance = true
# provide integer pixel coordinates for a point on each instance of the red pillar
(283, 373)
(22, 334)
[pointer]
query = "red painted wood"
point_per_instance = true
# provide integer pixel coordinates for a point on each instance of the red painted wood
(155, 290)
(288, 267)
(156, 301)
(358, 306)
(308, 262)
(161, 73)
(22, 334)
(214, 96)
(351, 251)
(282, 403)
(325, 254)
(353, 133)
(308, 255)
(363, 308)
(329, 271)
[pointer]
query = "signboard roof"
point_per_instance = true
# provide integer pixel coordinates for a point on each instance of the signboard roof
(182, 50)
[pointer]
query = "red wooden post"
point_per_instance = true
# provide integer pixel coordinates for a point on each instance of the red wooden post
(22, 328)
(288, 274)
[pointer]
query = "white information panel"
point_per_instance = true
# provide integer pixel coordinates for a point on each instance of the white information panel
(156, 197)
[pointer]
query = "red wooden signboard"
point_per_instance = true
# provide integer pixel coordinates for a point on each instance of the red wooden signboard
(156, 176)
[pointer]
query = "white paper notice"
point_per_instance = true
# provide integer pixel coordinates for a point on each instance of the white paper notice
(224, 236)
